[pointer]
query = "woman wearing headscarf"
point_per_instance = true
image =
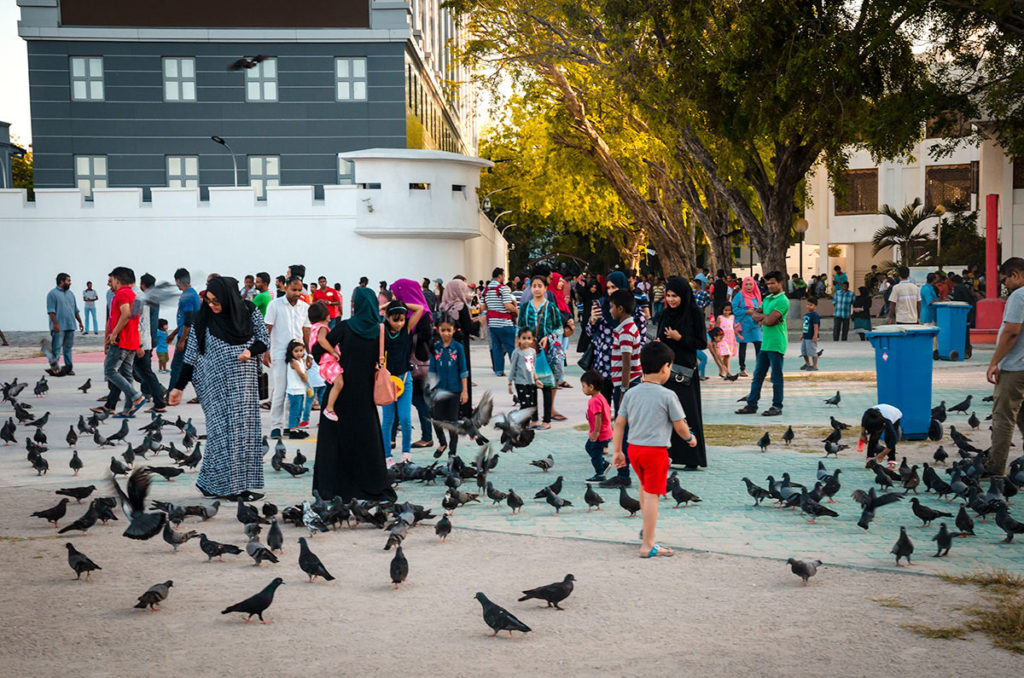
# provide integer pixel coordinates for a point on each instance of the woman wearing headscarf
(590, 293)
(743, 305)
(409, 292)
(601, 326)
(350, 452)
(454, 305)
(221, 361)
(681, 328)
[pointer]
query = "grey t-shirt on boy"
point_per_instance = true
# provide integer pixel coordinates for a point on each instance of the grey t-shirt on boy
(650, 410)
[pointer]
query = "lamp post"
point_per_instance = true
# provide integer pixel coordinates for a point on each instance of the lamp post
(939, 211)
(234, 162)
(800, 226)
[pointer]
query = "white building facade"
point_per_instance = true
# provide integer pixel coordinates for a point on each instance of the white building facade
(409, 214)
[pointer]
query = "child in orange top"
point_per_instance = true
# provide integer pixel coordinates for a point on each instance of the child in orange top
(330, 368)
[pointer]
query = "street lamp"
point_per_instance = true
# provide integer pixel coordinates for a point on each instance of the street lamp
(800, 226)
(502, 231)
(495, 220)
(234, 162)
(939, 211)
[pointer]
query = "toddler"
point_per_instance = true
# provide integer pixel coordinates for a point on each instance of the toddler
(297, 384)
(599, 419)
(161, 345)
(730, 334)
(329, 368)
(522, 379)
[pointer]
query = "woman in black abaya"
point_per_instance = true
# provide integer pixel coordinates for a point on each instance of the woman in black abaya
(350, 452)
(681, 328)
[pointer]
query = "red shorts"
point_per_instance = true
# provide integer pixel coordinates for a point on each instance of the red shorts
(651, 466)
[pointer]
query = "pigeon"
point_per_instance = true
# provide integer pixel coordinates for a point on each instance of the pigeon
(192, 460)
(496, 496)
(1007, 524)
(141, 525)
(54, 513)
(71, 438)
(832, 485)
(76, 493)
(964, 522)
(212, 548)
(554, 500)
(870, 502)
(247, 514)
(22, 414)
(912, 480)
(515, 502)
(834, 436)
(310, 564)
(764, 441)
(299, 459)
(41, 387)
(443, 527)
(84, 388)
(944, 540)
(513, 427)
(498, 618)
(628, 503)
(812, 508)
(121, 432)
(399, 567)
(544, 464)
(39, 464)
(552, 594)
(39, 436)
(313, 522)
(154, 595)
(175, 538)
(834, 400)
(962, 407)
(83, 524)
(100, 440)
(939, 412)
(788, 436)
(934, 431)
(555, 487)
(684, 497)
(592, 499)
(973, 421)
(269, 510)
(80, 562)
(245, 63)
(257, 604)
(40, 422)
(940, 456)
(758, 493)
(470, 427)
(167, 472)
(292, 469)
(7, 432)
(804, 570)
(75, 463)
(836, 424)
(258, 552)
(903, 548)
(927, 514)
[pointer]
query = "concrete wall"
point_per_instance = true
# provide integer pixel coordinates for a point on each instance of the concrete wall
(431, 234)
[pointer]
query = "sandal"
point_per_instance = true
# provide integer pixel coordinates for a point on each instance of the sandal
(100, 410)
(564, 384)
(439, 451)
(658, 550)
(420, 444)
(558, 417)
(330, 414)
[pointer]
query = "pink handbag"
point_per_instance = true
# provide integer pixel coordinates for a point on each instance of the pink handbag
(384, 389)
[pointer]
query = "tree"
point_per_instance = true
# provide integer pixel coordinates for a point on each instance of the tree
(21, 172)
(902, 235)
(961, 243)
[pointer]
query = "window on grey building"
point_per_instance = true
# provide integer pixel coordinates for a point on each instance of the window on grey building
(264, 170)
(261, 81)
(87, 78)
(90, 173)
(859, 192)
(183, 171)
(346, 172)
(350, 78)
(949, 186)
(179, 79)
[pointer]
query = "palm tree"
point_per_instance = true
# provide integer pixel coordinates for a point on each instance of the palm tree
(901, 234)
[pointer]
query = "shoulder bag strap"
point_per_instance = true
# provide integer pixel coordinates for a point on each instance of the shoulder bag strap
(380, 350)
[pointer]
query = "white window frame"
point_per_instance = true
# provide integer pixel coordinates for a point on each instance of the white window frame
(89, 75)
(261, 173)
(179, 84)
(183, 171)
(346, 172)
(90, 173)
(350, 79)
(261, 81)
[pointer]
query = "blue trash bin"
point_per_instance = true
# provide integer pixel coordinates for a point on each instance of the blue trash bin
(903, 367)
(951, 317)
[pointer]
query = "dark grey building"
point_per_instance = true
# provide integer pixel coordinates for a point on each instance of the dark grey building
(128, 93)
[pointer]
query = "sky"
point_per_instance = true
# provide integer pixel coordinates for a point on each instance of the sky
(14, 107)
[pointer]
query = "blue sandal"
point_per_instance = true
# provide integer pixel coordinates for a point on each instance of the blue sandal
(659, 550)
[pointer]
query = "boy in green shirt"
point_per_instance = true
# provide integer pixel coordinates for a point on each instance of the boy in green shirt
(772, 318)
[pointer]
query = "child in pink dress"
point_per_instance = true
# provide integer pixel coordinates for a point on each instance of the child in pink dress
(330, 368)
(727, 345)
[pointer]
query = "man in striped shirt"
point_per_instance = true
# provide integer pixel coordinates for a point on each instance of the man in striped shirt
(500, 308)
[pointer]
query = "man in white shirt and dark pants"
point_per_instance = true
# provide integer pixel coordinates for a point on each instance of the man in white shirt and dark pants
(904, 300)
(287, 318)
(1006, 369)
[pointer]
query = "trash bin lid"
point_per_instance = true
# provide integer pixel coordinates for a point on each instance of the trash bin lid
(891, 330)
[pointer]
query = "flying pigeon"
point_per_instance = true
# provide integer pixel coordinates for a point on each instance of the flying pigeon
(513, 427)
(245, 63)
(471, 426)
(141, 525)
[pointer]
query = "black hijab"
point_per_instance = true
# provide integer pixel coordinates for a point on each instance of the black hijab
(233, 325)
(686, 319)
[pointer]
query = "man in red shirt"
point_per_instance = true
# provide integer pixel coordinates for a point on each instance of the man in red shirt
(332, 298)
(121, 341)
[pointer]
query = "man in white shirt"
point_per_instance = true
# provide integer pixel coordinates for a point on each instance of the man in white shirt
(904, 300)
(287, 319)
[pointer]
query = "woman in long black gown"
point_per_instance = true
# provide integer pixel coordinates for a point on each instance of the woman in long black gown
(681, 328)
(350, 452)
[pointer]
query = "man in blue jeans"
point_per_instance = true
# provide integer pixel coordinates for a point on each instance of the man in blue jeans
(501, 309)
(62, 308)
(772, 318)
(188, 305)
(121, 341)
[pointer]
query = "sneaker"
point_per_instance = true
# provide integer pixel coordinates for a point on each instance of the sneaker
(805, 367)
(303, 424)
(743, 373)
(297, 435)
(390, 461)
(607, 465)
(406, 457)
(771, 412)
(747, 410)
(616, 482)
(812, 368)
(275, 433)
(595, 479)
(331, 415)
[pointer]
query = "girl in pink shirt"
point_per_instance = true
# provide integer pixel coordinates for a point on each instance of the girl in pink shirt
(330, 368)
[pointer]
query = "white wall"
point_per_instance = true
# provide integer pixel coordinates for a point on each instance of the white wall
(434, 235)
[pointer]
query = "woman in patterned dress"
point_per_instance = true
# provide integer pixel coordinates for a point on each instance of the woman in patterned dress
(601, 326)
(228, 333)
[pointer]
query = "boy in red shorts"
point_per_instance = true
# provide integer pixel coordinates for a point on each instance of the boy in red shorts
(652, 412)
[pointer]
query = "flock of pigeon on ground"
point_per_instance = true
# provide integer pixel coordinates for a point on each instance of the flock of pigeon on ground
(320, 515)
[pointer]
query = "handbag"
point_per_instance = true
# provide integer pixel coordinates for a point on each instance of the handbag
(586, 360)
(384, 391)
(541, 366)
(263, 385)
(682, 374)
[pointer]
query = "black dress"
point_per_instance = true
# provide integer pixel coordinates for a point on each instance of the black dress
(694, 338)
(463, 331)
(349, 452)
